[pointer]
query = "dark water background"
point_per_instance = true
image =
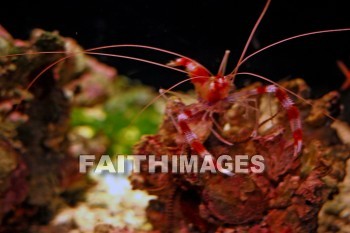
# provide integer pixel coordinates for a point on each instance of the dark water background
(201, 30)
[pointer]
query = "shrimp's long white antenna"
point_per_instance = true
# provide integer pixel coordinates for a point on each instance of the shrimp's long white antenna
(288, 39)
(110, 47)
(102, 54)
(251, 36)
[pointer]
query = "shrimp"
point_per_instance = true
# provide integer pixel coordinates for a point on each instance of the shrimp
(213, 91)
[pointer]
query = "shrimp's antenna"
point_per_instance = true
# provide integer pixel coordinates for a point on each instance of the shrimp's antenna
(288, 39)
(88, 51)
(257, 23)
(146, 47)
(102, 54)
(285, 89)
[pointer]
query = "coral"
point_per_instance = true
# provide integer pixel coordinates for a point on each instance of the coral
(36, 167)
(286, 197)
(335, 214)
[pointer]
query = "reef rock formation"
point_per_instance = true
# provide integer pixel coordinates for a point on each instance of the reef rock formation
(35, 164)
(286, 197)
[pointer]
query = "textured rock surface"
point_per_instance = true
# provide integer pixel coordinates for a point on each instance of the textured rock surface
(36, 167)
(335, 214)
(285, 198)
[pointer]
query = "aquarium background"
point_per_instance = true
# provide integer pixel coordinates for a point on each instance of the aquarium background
(202, 30)
(114, 123)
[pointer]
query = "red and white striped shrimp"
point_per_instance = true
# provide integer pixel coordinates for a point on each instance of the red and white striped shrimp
(214, 90)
